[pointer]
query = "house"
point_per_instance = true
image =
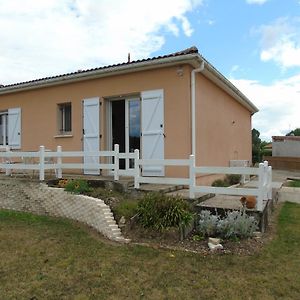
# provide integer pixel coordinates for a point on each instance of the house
(285, 153)
(168, 106)
(286, 146)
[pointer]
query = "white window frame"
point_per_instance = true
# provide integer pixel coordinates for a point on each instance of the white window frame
(62, 118)
(4, 127)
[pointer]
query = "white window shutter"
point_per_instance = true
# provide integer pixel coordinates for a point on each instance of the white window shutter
(91, 127)
(153, 130)
(14, 128)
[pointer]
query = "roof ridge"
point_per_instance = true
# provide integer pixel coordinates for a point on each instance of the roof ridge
(190, 50)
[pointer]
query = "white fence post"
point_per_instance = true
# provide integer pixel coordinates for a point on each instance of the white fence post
(270, 182)
(259, 204)
(266, 179)
(136, 169)
(7, 171)
(59, 162)
(116, 163)
(192, 177)
(42, 163)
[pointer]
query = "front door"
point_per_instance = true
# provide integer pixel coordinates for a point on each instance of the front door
(125, 118)
(91, 134)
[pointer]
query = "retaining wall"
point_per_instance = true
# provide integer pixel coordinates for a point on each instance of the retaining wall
(283, 163)
(38, 198)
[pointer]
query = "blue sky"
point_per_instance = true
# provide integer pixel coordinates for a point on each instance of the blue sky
(254, 43)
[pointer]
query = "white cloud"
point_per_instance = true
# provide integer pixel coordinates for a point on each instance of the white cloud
(278, 103)
(260, 2)
(280, 42)
(42, 38)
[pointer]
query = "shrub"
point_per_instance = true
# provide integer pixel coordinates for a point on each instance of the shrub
(126, 208)
(220, 183)
(158, 211)
(235, 224)
(229, 180)
(233, 179)
(77, 186)
(208, 222)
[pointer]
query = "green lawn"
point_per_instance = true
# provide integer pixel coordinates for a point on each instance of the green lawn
(294, 183)
(48, 258)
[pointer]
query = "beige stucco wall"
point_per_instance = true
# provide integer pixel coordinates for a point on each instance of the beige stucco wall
(223, 126)
(39, 108)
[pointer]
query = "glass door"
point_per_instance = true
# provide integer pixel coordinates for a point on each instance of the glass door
(3, 129)
(133, 128)
(124, 127)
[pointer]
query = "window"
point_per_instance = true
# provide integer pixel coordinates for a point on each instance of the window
(3, 129)
(64, 118)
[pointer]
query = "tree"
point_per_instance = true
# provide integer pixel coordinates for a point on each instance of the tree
(256, 146)
(295, 132)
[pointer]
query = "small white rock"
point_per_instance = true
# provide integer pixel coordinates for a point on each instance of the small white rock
(215, 247)
(257, 234)
(214, 241)
(122, 221)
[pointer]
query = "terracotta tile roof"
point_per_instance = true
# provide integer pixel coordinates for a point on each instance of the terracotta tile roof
(190, 50)
(283, 138)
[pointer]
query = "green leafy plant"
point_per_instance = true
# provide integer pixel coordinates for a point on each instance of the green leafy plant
(229, 180)
(235, 225)
(77, 186)
(220, 183)
(233, 179)
(126, 208)
(208, 222)
(158, 211)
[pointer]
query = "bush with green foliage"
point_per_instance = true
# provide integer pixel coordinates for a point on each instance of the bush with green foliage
(77, 186)
(127, 208)
(208, 222)
(220, 183)
(230, 179)
(158, 211)
(235, 224)
(233, 179)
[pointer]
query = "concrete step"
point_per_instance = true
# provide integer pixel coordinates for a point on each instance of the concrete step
(184, 193)
(162, 188)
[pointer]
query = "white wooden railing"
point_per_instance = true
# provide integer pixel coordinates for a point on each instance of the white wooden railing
(43, 160)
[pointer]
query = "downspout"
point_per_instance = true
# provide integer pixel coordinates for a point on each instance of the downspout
(193, 105)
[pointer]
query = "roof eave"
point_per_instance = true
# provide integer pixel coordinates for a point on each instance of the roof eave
(110, 71)
(215, 76)
(193, 59)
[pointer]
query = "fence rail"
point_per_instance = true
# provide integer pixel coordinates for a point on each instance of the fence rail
(43, 160)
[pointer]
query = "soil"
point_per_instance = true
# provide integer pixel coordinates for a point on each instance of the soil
(171, 240)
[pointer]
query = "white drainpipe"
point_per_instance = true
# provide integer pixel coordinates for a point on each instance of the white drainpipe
(193, 108)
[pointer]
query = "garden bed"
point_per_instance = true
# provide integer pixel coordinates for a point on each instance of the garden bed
(123, 206)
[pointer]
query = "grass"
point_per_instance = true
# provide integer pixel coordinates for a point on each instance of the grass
(49, 258)
(294, 183)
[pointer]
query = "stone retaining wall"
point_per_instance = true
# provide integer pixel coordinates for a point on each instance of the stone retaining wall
(38, 198)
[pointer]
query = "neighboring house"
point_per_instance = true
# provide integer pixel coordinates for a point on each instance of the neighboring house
(168, 107)
(285, 153)
(287, 146)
